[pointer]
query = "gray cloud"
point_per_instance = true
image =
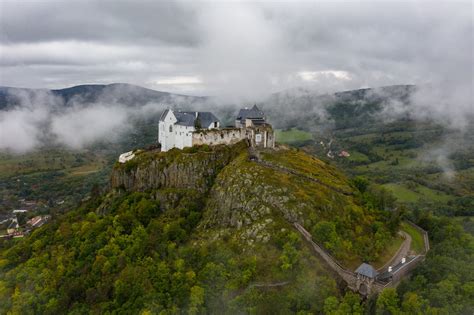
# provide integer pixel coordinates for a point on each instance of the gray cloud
(237, 49)
(147, 22)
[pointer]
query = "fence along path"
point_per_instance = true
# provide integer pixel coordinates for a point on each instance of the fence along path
(351, 278)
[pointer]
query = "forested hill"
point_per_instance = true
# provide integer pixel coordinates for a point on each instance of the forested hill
(201, 230)
(128, 94)
(312, 111)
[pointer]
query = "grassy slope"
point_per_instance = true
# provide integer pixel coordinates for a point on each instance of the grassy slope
(417, 244)
(314, 202)
(405, 194)
(292, 135)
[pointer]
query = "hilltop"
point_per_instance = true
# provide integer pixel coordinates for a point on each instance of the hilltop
(200, 229)
(122, 93)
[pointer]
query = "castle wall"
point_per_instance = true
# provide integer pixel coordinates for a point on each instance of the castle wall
(259, 136)
(220, 136)
(262, 136)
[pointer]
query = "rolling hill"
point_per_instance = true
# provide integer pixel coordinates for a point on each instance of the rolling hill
(120, 93)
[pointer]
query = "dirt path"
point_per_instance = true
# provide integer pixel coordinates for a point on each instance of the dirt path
(403, 251)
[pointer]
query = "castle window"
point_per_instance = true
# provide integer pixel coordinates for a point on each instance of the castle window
(171, 128)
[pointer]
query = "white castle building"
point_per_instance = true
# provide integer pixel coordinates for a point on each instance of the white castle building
(179, 129)
(175, 128)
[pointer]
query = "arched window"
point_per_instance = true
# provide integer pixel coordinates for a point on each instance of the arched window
(171, 128)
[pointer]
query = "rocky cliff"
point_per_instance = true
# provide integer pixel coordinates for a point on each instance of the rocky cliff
(192, 168)
(250, 196)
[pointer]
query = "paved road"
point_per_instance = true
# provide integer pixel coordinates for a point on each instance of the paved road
(403, 251)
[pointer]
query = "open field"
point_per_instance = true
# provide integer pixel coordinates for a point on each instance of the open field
(405, 194)
(292, 135)
(49, 160)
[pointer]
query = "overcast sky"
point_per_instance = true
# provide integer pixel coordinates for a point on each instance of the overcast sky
(235, 48)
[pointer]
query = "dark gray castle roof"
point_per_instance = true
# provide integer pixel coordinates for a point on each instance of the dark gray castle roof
(367, 270)
(207, 118)
(253, 112)
(188, 118)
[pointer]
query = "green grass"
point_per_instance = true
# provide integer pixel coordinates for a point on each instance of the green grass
(292, 135)
(74, 162)
(402, 193)
(358, 157)
(417, 244)
(405, 194)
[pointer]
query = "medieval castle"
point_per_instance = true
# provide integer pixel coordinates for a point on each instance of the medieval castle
(180, 129)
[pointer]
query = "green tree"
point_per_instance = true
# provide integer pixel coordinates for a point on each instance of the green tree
(196, 300)
(331, 305)
(413, 304)
(325, 233)
(387, 302)
(351, 304)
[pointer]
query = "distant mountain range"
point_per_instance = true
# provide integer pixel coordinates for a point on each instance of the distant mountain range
(93, 93)
(302, 108)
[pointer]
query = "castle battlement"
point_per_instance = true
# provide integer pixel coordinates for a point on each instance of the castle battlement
(179, 129)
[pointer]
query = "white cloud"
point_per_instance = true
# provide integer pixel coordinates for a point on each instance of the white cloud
(19, 129)
(178, 80)
(315, 75)
(79, 126)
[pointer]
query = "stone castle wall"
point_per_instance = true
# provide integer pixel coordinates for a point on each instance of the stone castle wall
(259, 136)
(226, 136)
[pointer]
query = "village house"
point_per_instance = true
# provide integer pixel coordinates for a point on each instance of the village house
(179, 129)
(38, 221)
